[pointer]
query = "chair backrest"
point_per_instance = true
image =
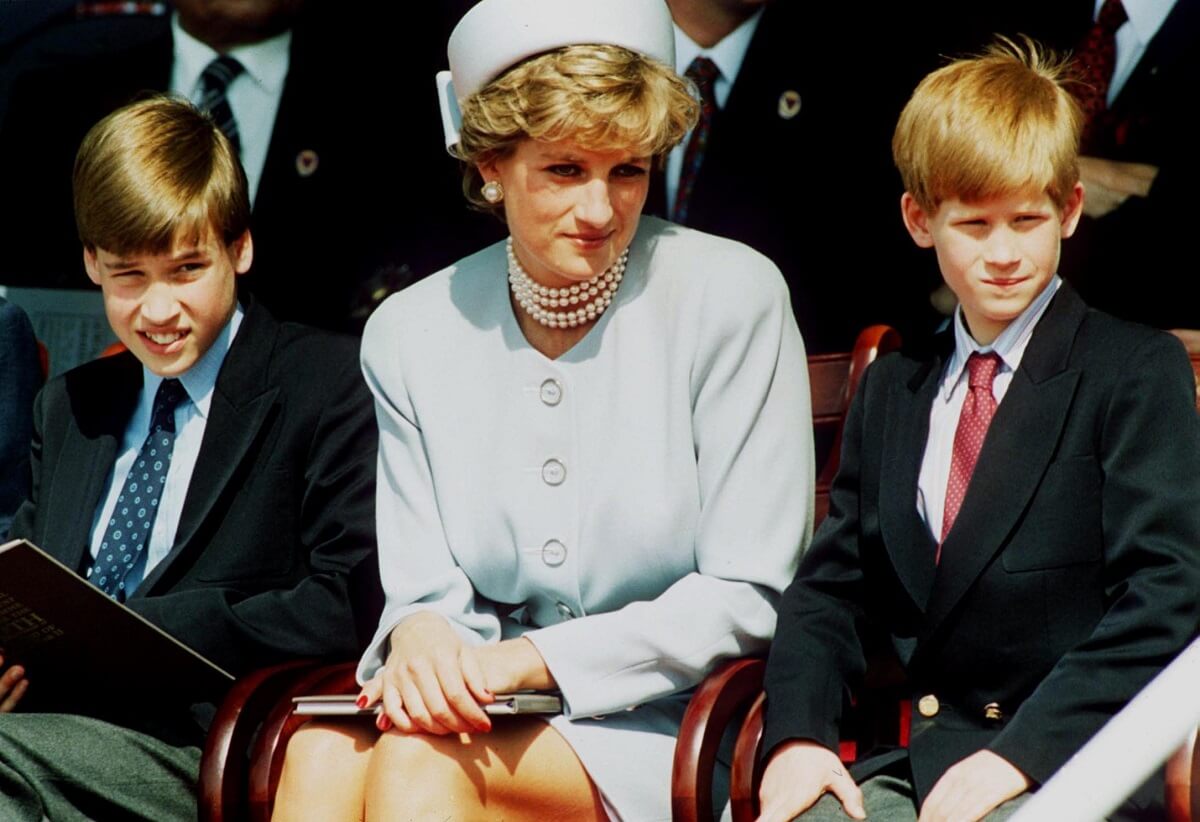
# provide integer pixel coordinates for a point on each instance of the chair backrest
(44, 360)
(833, 380)
(1196, 374)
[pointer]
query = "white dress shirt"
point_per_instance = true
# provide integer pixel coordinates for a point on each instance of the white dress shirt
(253, 95)
(191, 416)
(947, 404)
(1145, 19)
(728, 55)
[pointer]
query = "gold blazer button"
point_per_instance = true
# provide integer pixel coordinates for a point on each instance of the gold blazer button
(928, 705)
(992, 712)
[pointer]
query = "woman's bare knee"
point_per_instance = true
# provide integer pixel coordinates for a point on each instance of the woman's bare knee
(324, 772)
(521, 770)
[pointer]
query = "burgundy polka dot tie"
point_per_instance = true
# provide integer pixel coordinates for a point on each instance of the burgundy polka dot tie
(978, 408)
(1096, 59)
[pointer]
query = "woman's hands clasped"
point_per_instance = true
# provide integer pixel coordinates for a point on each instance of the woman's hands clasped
(433, 682)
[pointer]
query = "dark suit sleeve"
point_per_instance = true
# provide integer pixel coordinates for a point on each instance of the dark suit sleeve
(816, 654)
(20, 375)
(1149, 452)
(323, 610)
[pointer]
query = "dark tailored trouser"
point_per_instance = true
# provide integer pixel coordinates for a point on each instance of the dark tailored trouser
(69, 768)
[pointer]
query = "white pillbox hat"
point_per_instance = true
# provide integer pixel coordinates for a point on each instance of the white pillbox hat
(497, 34)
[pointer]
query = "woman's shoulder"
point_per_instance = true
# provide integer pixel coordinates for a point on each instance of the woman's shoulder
(712, 273)
(721, 266)
(435, 304)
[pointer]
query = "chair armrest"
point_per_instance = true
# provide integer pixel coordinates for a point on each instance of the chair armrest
(224, 764)
(266, 760)
(719, 699)
(747, 770)
(1183, 782)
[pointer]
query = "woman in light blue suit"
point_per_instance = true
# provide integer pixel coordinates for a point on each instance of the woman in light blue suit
(595, 469)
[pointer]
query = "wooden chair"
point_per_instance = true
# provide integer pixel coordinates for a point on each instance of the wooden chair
(832, 381)
(236, 786)
(224, 763)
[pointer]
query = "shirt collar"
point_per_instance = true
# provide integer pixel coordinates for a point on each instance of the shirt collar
(1009, 346)
(1145, 16)
(266, 62)
(199, 380)
(729, 54)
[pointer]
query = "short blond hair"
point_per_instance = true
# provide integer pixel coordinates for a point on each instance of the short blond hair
(156, 171)
(991, 125)
(602, 97)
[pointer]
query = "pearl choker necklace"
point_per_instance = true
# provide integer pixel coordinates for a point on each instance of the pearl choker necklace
(539, 302)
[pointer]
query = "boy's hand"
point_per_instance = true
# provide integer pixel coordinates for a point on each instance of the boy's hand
(796, 776)
(972, 788)
(1109, 183)
(13, 685)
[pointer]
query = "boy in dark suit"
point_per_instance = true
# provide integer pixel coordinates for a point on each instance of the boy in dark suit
(1019, 514)
(217, 478)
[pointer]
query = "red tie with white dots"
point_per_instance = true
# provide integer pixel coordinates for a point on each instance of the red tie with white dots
(979, 406)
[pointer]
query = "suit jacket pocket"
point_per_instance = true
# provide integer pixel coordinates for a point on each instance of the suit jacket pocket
(1062, 525)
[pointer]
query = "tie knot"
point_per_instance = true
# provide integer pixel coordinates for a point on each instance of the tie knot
(981, 370)
(704, 73)
(1112, 15)
(218, 74)
(170, 394)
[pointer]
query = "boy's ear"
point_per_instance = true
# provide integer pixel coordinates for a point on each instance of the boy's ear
(91, 264)
(915, 220)
(1072, 211)
(242, 252)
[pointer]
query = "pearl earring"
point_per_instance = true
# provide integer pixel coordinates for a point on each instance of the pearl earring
(492, 191)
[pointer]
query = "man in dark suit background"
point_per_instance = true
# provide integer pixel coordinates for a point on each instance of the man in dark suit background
(342, 207)
(1140, 165)
(796, 159)
(250, 529)
(1130, 256)
(20, 376)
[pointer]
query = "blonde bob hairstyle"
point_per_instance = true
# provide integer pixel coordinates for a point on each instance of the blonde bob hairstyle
(602, 97)
(992, 125)
(155, 172)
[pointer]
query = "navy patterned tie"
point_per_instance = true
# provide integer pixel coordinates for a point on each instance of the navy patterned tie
(704, 73)
(214, 84)
(128, 529)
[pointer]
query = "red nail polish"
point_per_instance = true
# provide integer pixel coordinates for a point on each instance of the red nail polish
(361, 702)
(384, 723)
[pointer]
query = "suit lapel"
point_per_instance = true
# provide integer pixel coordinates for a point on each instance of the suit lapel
(90, 449)
(1019, 445)
(241, 404)
(1173, 41)
(908, 541)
